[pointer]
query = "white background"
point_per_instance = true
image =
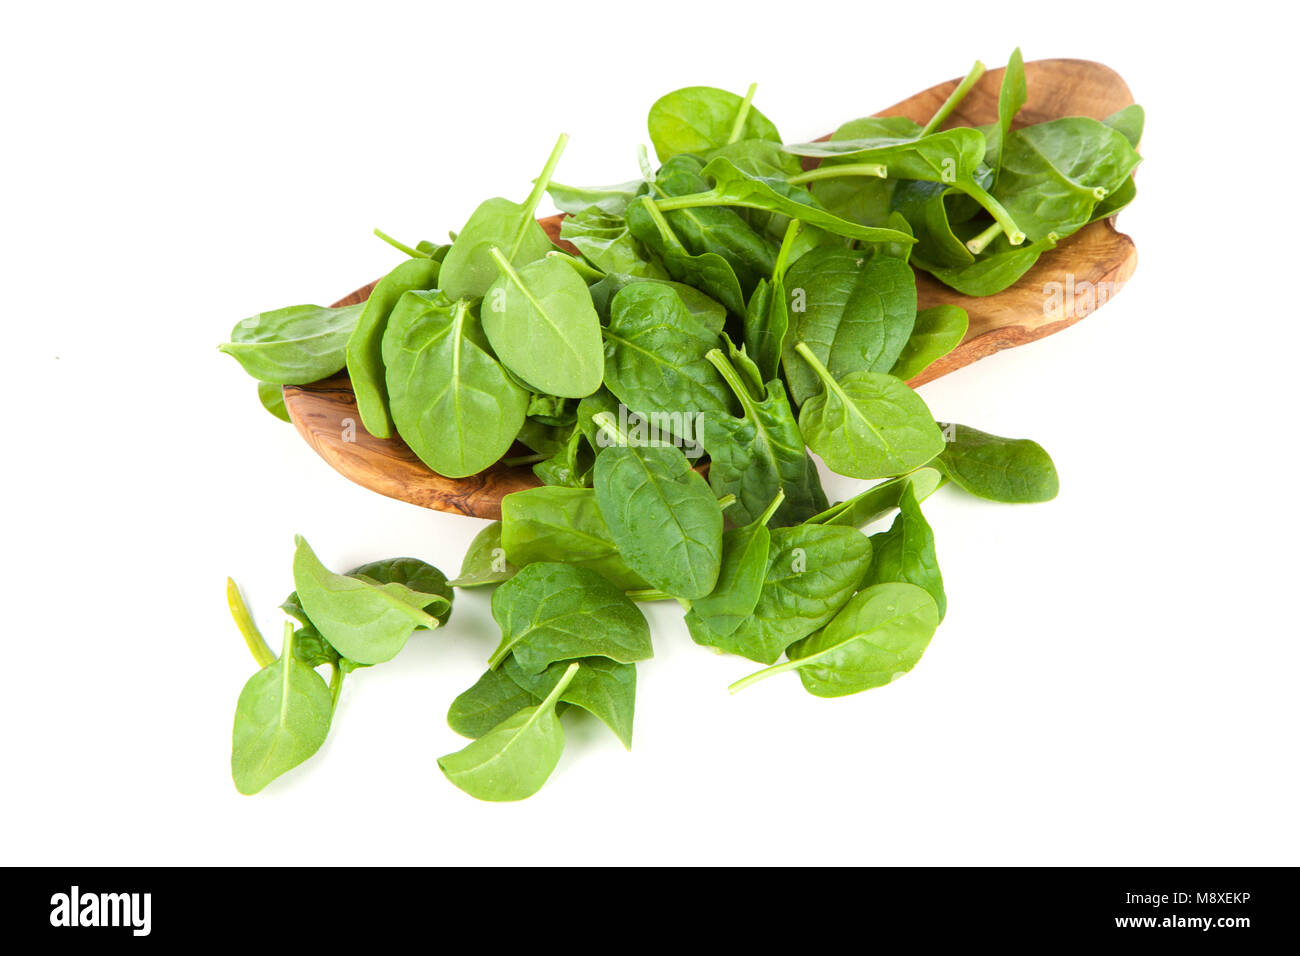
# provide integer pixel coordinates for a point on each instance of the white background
(1115, 682)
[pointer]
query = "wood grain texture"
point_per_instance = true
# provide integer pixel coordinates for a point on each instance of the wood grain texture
(1086, 268)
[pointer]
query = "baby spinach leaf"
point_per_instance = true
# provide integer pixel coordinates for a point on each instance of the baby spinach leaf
(365, 621)
(1055, 173)
(812, 571)
(553, 523)
(854, 311)
(1011, 97)
(553, 612)
(1128, 122)
(878, 500)
(452, 401)
(709, 272)
(938, 330)
(745, 553)
(415, 574)
(601, 687)
(606, 200)
(282, 718)
(767, 315)
(878, 636)
(469, 268)
(1001, 267)
(570, 466)
(493, 699)
(542, 325)
(662, 516)
(609, 245)
(513, 759)
(272, 399)
(365, 358)
(1000, 469)
(655, 354)
(293, 346)
(760, 454)
(696, 119)
(868, 425)
(485, 560)
(906, 552)
(708, 312)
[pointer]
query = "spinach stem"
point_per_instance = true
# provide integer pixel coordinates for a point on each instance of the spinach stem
(742, 114)
(648, 594)
(783, 254)
(257, 645)
(584, 269)
(643, 162)
(955, 97)
(665, 230)
(726, 501)
(729, 375)
(770, 510)
(828, 380)
(609, 425)
(710, 198)
(336, 685)
(980, 242)
(766, 672)
(878, 170)
(994, 209)
(401, 246)
(560, 687)
(544, 179)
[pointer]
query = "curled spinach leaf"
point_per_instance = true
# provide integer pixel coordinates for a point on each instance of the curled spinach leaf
(293, 346)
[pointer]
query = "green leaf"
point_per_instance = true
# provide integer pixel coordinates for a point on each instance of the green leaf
(553, 523)
(709, 272)
(609, 245)
(906, 552)
(938, 330)
(878, 500)
(293, 346)
(763, 452)
(514, 759)
(745, 553)
(452, 401)
(365, 359)
(553, 612)
(366, 622)
(542, 325)
(696, 119)
(282, 718)
(1011, 97)
(855, 312)
(272, 399)
(469, 268)
(878, 636)
(655, 355)
(602, 687)
(812, 571)
(868, 425)
(1001, 469)
(1054, 173)
(493, 699)
(415, 574)
(662, 516)
(605, 200)
(485, 560)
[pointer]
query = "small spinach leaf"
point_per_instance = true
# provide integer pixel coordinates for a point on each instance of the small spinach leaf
(293, 346)
(553, 612)
(513, 759)
(938, 330)
(602, 687)
(1000, 469)
(906, 552)
(696, 119)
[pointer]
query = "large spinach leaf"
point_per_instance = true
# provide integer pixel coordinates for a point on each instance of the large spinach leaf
(293, 346)
(452, 401)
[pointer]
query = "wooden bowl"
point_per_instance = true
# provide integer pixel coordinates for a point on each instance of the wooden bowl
(1098, 257)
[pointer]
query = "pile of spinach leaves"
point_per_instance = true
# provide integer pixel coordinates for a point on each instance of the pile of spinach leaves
(729, 306)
